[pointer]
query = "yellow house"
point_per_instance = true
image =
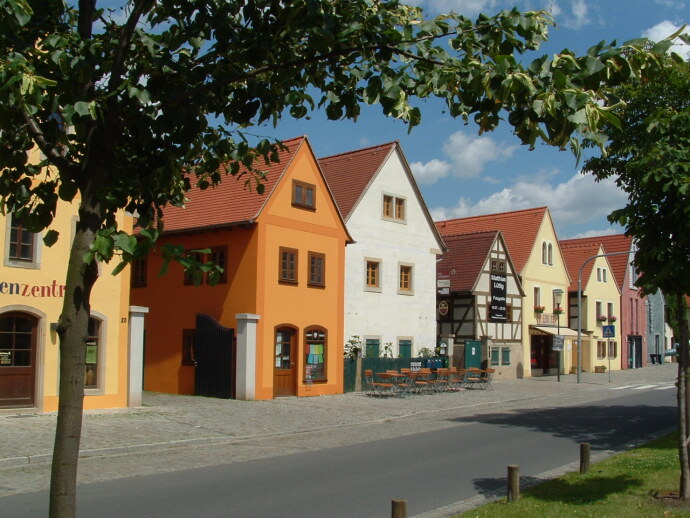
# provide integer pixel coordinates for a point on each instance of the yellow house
(600, 303)
(533, 245)
(32, 278)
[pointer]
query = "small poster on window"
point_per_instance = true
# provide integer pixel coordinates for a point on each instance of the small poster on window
(91, 354)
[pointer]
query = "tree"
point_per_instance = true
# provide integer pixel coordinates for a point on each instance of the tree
(132, 106)
(649, 157)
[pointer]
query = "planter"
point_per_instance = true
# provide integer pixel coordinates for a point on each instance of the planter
(600, 369)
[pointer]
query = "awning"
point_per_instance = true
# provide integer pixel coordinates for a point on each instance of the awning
(564, 331)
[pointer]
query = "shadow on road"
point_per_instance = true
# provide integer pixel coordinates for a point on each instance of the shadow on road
(604, 427)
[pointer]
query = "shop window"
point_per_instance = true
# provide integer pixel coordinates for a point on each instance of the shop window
(188, 347)
(303, 195)
(372, 347)
(17, 334)
(93, 344)
(405, 279)
(317, 269)
(138, 279)
(405, 348)
(288, 265)
(315, 341)
(373, 279)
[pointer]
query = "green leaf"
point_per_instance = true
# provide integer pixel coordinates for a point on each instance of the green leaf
(51, 238)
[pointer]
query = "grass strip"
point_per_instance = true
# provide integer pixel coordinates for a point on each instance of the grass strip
(627, 485)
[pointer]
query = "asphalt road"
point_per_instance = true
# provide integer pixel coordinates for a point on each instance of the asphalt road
(430, 469)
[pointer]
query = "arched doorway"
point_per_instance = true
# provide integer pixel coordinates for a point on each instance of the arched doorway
(284, 379)
(17, 360)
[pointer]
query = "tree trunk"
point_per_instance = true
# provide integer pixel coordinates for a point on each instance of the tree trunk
(683, 397)
(73, 332)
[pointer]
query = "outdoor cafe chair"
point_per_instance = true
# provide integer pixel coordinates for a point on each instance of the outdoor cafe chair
(472, 378)
(487, 379)
(373, 388)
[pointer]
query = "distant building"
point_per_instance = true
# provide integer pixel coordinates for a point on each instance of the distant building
(480, 303)
(532, 242)
(390, 283)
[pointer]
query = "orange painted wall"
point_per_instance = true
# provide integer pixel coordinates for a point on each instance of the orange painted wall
(173, 306)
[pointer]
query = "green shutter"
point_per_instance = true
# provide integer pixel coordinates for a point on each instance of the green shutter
(505, 355)
(494, 356)
(405, 348)
(372, 348)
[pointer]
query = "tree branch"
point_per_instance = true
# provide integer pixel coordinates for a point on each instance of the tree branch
(126, 34)
(46, 147)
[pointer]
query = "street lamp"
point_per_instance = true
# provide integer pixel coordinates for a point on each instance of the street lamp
(557, 297)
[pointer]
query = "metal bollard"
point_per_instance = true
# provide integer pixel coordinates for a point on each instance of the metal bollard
(584, 457)
(399, 509)
(513, 483)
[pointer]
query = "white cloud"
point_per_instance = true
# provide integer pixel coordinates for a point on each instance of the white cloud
(579, 200)
(467, 156)
(671, 3)
(469, 8)
(663, 30)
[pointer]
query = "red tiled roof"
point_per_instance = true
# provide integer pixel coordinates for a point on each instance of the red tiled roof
(610, 244)
(575, 255)
(466, 255)
(519, 229)
(349, 174)
(230, 202)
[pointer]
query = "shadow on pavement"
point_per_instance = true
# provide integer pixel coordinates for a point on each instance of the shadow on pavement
(604, 427)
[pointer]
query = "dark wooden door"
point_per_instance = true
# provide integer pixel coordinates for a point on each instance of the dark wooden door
(284, 378)
(17, 360)
(214, 354)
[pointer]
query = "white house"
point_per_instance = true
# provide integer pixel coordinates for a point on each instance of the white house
(390, 274)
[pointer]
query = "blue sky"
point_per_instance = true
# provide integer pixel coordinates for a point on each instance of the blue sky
(461, 174)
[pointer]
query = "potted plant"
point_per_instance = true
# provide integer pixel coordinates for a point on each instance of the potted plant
(539, 309)
(602, 318)
(612, 318)
(558, 310)
(600, 368)
(353, 347)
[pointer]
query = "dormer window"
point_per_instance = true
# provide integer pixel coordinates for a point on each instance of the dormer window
(303, 195)
(547, 253)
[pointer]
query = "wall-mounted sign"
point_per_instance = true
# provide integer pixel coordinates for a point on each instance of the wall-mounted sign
(497, 309)
(443, 308)
(32, 290)
(443, 283)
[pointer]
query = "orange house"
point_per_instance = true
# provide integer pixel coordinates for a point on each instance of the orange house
(273, 326)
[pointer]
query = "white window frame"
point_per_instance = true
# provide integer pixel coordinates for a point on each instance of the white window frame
(35, 263)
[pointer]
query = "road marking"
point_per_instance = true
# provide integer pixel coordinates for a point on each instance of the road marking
(642, 387)
(623, 387)
(666, 387)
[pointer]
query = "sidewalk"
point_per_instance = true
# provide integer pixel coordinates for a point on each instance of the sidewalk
(168, 421)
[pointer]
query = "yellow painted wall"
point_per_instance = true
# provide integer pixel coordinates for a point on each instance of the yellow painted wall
(42, 296)
(547, 278)
(605, 292)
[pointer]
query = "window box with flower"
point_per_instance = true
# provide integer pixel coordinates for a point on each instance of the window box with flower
(558, 310)
(612, 319)
(602, 318)
(539, 309)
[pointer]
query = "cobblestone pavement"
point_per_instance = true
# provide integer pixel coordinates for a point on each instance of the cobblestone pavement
(171, 433)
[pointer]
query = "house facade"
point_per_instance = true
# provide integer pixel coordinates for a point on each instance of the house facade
(533, 245)
(633, 313)
(390, 298)
(273, 325)
(480, 303)
(599, 302)
(32, 288)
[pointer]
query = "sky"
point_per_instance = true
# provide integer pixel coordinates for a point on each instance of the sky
(463, 174)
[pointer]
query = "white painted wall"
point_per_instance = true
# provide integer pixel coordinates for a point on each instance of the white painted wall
(387, 314)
